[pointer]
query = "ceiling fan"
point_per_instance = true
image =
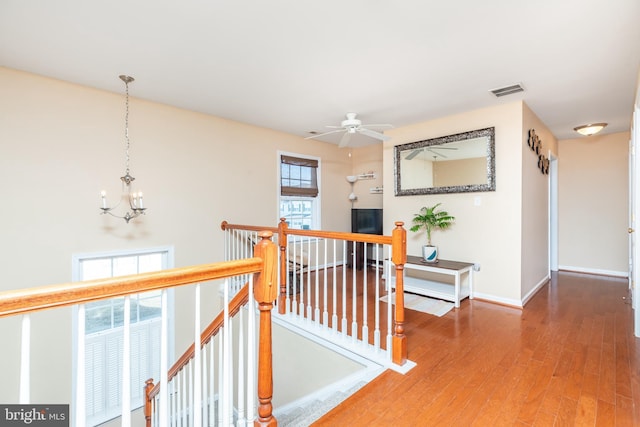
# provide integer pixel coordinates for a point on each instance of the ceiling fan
(352, 125)
(431, 149)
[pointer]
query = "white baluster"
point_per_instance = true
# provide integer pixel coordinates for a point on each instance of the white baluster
(309, 307)
(205, 399)
(164, 362)
(226, 336)
(197, 364)
(25, 361)
(212, 394)
(221, 367)
(334, 310)
(289, 283)
(376, 330)
(365, 302)
(354, 298)
(252, 389)
(230, 371)
(175, 412)
(80, 404)
(325, 312)
(241, 370)
(344, 288)
(126, 365)
(317, 284)
(389, 305)
(185, 409)
(299, 262)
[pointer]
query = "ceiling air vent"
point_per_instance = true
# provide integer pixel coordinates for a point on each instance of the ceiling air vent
(507, 90)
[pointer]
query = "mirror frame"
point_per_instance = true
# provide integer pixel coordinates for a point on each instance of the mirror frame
(491, 164)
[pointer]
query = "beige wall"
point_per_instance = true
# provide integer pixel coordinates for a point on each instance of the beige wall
(460, 172)
(488, 224)
(593, 200)
(535, 206)
(61, 144)
(364, 160)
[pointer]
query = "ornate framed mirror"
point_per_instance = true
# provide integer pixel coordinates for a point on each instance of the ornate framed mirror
(460, 163)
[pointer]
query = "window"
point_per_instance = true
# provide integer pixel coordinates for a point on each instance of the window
(104, 322)
(299, 192)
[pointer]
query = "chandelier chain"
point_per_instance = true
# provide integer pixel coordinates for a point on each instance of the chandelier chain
(126, 127)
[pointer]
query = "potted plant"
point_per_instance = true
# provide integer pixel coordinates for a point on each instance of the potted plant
(430, 219)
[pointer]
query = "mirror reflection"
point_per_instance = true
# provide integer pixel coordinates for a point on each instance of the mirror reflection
(459, 163)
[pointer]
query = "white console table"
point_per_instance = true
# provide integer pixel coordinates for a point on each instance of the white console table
(430, 278)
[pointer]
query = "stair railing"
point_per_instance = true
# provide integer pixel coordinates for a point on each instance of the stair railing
(262, 266)
(331, 284)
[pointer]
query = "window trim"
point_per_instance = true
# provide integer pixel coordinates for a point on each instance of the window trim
(76, 260)
(317, 200)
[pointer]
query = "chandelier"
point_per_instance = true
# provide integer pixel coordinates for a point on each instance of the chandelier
(133, 199)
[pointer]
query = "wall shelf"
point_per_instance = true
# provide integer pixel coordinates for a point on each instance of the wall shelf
(368, 175)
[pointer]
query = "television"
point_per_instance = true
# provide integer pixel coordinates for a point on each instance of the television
(367, 221)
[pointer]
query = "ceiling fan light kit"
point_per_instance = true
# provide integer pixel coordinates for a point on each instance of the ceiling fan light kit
(590, 129)
(352, 125)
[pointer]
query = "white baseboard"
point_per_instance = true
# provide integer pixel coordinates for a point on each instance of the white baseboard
(594, 271)
(499, 300)
(535, 289)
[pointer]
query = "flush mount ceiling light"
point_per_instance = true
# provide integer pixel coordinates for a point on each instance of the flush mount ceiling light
(130, 197)
(590, 129)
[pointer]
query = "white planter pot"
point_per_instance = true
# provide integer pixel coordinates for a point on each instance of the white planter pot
(430, 253)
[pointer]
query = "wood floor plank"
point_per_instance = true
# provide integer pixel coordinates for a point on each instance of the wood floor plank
(568, 358)
(536, 393)
(624, 412)
(605, 414)
(586, 410)
(566, 415)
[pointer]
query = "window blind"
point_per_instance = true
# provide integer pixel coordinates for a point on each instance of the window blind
(298, 176)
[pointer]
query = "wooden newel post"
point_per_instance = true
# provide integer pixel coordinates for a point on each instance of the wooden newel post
(282, 241)
(265, 292)
(399, 258)
(147, 401)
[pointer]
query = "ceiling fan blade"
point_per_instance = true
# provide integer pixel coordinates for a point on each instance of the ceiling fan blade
(384, 125)
(436, 153)
(325, 133)
(373, 134)
(413, 154)
(344, 141)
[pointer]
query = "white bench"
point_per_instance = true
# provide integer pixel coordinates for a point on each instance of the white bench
(444, 279)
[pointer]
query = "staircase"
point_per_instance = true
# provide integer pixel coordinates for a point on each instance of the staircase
(305, 413)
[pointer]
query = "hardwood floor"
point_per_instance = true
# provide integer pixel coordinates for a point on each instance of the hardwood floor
(568, 358)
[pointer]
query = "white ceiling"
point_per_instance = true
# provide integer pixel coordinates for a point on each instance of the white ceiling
(296, 65)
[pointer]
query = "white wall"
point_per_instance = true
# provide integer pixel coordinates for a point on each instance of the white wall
(488, 233)
(535, 206)
(593, 200)
(60, 144)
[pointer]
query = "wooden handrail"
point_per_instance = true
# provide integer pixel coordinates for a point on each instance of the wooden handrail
(338, 235)
(29, 300)
(226, 226)
(240, 299)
